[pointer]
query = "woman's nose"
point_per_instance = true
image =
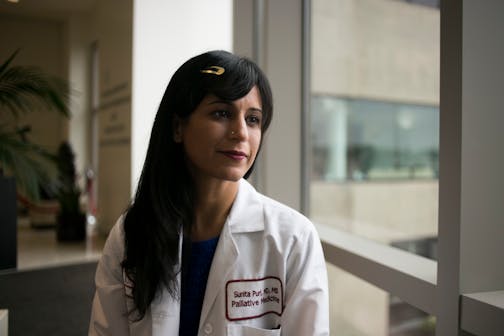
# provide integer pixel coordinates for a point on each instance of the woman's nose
(239, 129)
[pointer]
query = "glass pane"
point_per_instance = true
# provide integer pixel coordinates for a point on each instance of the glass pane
(360, 309)
(375, 119)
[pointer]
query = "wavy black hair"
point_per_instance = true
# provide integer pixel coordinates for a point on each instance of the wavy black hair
(163, 204)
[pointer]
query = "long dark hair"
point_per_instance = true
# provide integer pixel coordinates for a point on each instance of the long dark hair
(163, 204)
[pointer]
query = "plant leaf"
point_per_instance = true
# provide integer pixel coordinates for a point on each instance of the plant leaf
(23, 89)
(30, 171)
(8, 61)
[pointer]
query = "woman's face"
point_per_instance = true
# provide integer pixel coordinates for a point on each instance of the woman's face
(221, 138)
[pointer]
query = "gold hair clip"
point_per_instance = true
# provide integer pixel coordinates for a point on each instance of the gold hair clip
(214, 70)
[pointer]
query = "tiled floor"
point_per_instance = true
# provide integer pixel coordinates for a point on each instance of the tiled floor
(39, 248)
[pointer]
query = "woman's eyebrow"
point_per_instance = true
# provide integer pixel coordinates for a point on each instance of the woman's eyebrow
(255, 109)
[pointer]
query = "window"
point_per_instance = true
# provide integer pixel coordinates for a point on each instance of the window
(374, 145)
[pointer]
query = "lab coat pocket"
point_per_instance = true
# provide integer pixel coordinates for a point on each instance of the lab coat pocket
(243, 330)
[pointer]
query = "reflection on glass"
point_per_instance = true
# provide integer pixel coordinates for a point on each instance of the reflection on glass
(356, 139)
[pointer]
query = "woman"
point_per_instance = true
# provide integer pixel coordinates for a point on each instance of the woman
(199, 251)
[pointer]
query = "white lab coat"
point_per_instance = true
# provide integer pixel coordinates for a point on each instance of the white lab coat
(268, 277)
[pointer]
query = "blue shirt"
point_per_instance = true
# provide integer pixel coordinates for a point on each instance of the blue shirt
(195, 270)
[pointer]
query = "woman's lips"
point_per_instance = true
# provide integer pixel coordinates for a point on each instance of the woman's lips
(235, 155)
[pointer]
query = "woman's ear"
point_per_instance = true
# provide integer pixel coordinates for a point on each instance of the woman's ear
(177, 129)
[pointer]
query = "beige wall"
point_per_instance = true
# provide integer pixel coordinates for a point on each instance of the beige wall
(114, 20)
(79, 36)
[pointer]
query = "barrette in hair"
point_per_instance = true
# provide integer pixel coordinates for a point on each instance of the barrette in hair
(214, 70)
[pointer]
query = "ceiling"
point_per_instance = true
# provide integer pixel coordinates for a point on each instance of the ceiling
(56, 9)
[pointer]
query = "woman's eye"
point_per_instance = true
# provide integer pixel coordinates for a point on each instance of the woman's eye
(221, 114)
(253, 120)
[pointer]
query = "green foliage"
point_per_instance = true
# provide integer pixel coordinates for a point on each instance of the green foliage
(22, 90)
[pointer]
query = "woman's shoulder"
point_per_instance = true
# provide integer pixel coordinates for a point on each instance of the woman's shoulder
(115, 239)
(272, 209)
(277, 210)
(285, 220)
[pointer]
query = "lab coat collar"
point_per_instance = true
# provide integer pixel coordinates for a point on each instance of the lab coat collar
(246, 214)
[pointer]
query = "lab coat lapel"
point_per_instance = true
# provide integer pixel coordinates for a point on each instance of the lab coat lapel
(165, 314)
(225, 257)
(247, 213)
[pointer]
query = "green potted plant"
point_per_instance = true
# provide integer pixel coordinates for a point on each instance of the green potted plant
(22, 162)
(22, 90)
(71, 220)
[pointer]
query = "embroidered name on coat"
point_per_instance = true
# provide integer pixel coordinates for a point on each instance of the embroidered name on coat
(253, 298)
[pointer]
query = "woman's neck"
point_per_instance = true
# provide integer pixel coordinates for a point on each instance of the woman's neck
(213, 203)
